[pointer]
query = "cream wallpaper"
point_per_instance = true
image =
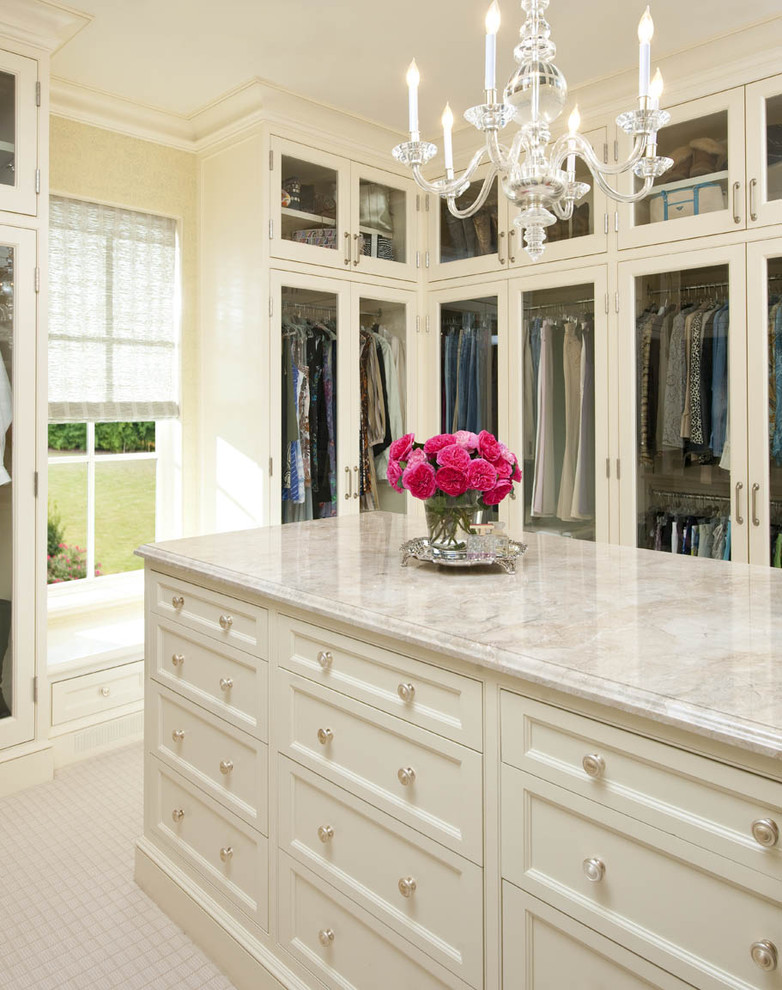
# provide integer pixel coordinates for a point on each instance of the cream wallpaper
(92, 163)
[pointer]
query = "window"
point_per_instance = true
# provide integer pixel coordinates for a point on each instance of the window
(113, 384)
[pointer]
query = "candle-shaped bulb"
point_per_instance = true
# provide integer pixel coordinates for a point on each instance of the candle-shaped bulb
(413, 75)
(646, 28)
(413, 78)
(493, 18)
(492, 27)
(656, 89)
(574, 120)
(447, 121)
(447, 118)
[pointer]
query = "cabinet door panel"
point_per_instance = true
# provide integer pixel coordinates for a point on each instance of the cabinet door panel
(383, 223)
(458, 247)
(764, 152)
(18, 134)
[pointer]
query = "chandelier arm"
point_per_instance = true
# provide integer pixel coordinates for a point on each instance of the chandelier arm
(500, 157)
(624, 197)
(453, 186)
(579, 144)
(483, 195)
(563, 212)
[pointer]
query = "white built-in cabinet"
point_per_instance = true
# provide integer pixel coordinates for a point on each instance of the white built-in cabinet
(19, 101)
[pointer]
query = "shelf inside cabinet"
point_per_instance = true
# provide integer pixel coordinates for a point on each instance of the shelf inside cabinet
(689, 183)
(7, 146)
(306, 219)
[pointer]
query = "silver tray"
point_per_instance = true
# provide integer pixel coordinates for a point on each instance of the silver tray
(421, 549)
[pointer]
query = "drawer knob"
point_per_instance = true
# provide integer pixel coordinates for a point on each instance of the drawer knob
(177, 659)
(594, 765)
(325, 833)
(177, 814)
(177, 601)
(226, 766)
(595, 869)
(226, 621)
(105, 692)
(406, 692)
(226, 683)
(764, 954)
(325, 937)
(226, 853)
(407, 886)
(406, 776)
(325, 736)
(325, 659)
(765, 831)
(178, 735)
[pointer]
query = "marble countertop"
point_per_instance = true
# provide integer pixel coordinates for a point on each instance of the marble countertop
(695, 644)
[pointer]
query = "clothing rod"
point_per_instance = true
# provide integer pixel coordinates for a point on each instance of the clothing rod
(687, 288)
(559, 305)
(691, 496)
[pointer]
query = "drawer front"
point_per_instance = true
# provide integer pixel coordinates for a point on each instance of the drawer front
(446, 703)
(227, 682)
(348, 948)
(98, 692)
(373, 860)
(221, 847)
(544, 949)
(225, 619)
(230, 765)
(703, 801)
(371, 754)
(682, 907)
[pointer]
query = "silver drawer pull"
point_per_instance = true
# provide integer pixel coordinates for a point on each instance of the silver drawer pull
(325, 659)
(226, 853)
(407, 886)
(178, 735)
(594, 765)
(325, 736)
(105, 692)
(226, 683)
(226, 766)
(595, 869)
(177, 814)
(406, 776)
(226, 621)
(177, 659)
(325, 833)
(406, 692)
(325, 937)
(765, 831)
(764, 954)
(177, 601)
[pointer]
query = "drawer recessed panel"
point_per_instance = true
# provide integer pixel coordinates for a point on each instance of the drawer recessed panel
(101, 691)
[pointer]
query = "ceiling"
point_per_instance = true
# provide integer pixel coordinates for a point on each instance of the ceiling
(179, 55)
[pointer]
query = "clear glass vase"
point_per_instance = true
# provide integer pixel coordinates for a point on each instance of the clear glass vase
(450, 518)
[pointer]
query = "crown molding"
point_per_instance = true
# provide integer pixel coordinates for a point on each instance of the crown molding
(40, 23)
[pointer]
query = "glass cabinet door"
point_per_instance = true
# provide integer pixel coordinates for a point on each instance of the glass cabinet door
(17, 505)
(703, 191)
(383, 224)
(18, 144)
(764, 152)
(685, 368)
(469, 246)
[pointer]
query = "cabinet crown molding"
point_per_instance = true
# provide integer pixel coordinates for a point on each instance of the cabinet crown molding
(40, 23)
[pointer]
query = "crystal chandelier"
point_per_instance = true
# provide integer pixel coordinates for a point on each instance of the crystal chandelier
(538, 176)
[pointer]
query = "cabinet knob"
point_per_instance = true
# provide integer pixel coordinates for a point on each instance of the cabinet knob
(595, 869)
(407, 886)
(406, 692)
(406, 776)
(178, 735)
(325, 937)
(765, 832)
(226, 621)
(177, 659)
(177, 601)
(764, 955)
(226, 853)
(325, 833)
(594, 765)
(325, 736)
(105, 692)
(226, 766)
(325, 659)
(226, 683)
(177, 814)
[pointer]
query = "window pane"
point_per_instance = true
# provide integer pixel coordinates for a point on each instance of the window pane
(65, 438)
(124, 512)
(67, 531)
(124, 438)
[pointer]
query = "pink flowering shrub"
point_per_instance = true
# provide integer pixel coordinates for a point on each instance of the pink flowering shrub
(453, 464)
(67, 563)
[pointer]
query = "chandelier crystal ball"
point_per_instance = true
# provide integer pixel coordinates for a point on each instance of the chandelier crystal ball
(537, 175)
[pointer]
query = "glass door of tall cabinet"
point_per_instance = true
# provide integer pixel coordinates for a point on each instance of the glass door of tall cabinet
(683, 405)
(383, 224)
(764, 152)
(17, 505)
(18, 125)
(462, 246)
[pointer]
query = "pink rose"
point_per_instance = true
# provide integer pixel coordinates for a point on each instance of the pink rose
(400, 448)
(451, 482)
(481, 475)
(516, 476)
(393, 474)
(498, 493)
(433, 444)
(418, 479)
(417, 456)
(466, 439)
(453, 456)
(504, 470)
(488, 446)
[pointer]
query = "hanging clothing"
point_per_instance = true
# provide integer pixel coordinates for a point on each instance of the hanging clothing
(583, 506)
(572, 376)
(543, 491)
(468, 375)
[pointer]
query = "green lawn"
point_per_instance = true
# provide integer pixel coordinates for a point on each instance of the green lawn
(124, 509)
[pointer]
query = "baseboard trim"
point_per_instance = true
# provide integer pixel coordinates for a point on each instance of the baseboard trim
(244, 960)
(26, 770)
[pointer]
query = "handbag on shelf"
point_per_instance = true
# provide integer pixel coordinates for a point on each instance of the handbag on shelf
(373, 207)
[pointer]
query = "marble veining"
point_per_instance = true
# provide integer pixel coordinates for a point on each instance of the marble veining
(694, 643)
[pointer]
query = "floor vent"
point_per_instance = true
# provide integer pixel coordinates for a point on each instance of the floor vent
(108, 732)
